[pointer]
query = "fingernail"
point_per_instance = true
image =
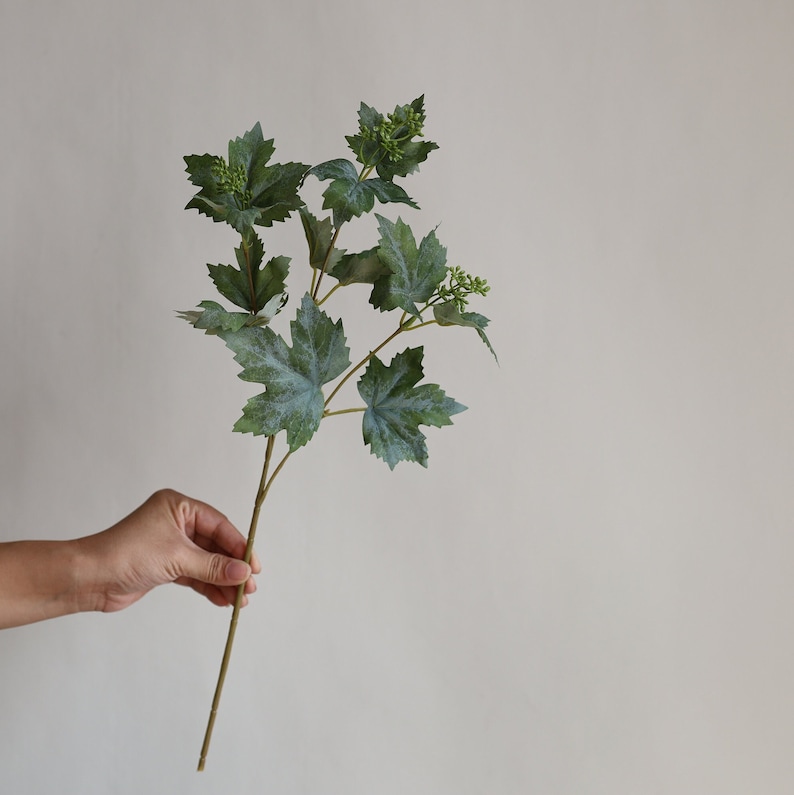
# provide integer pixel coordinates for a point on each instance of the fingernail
(237, 570)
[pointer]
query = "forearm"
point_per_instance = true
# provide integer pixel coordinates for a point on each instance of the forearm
(170, 538)
(43, 579)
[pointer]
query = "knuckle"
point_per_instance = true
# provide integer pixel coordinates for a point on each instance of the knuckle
(215, 568)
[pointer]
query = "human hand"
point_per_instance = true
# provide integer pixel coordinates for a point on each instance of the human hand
(170, 538)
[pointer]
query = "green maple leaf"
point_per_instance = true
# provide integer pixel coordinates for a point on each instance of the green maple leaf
(413, 153)
(349, 196)
(266, 281)
(236, 284)
(396, 407)
(415, 272)
(293, 400)
(448, 314)
(266, 193)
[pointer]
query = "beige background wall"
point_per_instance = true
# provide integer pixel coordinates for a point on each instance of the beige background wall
(590, 590)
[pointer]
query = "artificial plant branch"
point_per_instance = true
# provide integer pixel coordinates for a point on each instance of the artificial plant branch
(247, 191)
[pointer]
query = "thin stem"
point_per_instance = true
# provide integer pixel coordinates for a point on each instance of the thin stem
(275, 472)
(316, 288)
(260, 498)
(329, 293)
(343, 411)
(422, 325)
(358, 366)
(247, 254)
(405, 325)
(314, 281)
(264, 485)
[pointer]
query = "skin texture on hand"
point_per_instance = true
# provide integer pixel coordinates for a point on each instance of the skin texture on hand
(170, 538)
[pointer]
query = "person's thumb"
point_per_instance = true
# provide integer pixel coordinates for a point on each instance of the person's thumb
(216, 569)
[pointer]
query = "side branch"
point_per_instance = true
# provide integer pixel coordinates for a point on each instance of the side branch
(327, 413)
(361, 364)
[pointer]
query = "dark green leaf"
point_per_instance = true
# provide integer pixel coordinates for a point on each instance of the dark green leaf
(275, 191)
(241, 220)
(448, 315)
(349, 197)
(389, 192)
(293, 400)
(269, 193)
(271, 280)
(251, 151)
(365, 150)
(319, 235)
(273, 188)
(335, 169)
(368, 116)
(413, 153)
(362, 268)
(396, 407)
(236, 284)
(199, 169)
(210, 200)
(415, 273)
(232, 284)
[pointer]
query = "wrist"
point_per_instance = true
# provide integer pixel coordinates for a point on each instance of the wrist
(87, 592)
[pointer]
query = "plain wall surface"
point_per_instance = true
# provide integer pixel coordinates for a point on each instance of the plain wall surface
(589, 591)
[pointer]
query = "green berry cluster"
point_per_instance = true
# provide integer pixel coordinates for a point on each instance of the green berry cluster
(231, 180)
(459, 286)
(393, 131)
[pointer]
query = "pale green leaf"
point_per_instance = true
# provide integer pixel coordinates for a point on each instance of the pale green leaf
(293, 400)
(396, 407)
(213, 318)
